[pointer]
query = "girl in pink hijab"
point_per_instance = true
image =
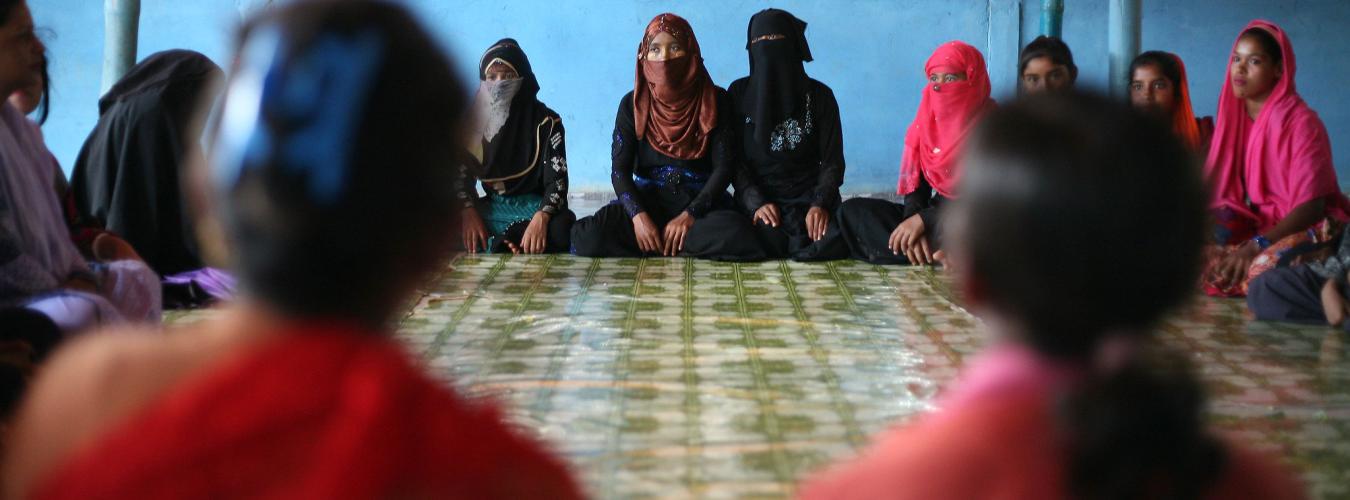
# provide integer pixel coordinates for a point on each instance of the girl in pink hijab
(1269, 164)
(1072, 374)
(955, 96)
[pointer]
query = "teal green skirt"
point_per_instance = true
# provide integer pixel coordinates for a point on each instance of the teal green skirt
(502, 212)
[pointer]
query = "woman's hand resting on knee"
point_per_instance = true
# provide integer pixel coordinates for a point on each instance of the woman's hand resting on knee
(768, 214)
(909, 238)
(474, 234)
(648, 237)
(676, 230)
(817, 221)
(535, 238)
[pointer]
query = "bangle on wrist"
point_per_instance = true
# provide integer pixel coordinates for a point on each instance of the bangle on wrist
(1262, 242)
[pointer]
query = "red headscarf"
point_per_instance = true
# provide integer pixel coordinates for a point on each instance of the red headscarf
(1183, 114)
(1279, 161)
(933, 141)
(674, 101)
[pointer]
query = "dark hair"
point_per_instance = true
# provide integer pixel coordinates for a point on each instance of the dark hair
(1084, 220)
(1165, 62)
(1047, 46)
(45, 104)
(352, 250)
(6, 8)
(1268, 44)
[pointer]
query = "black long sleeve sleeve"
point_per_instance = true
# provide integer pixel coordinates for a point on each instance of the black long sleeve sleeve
(747, 190)
(724, 160)
(923, 203)
(831, 151)
(554, 165)
(920, 199)
(463, 182)
(931, 217)
(623, 156)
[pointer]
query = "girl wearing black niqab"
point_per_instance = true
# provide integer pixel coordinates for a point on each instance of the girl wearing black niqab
(793, 146)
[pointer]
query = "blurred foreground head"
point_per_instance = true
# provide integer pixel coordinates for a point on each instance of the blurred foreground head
(330, 160)
(1078, 218)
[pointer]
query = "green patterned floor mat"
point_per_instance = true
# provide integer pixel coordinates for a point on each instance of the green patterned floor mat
(680, 378)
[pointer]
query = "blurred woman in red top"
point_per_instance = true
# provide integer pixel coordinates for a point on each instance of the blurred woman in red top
(330, 164)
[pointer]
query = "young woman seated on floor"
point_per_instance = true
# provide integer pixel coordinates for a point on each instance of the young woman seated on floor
(1158, 85)
(128, 176)
(1075, 398)
(333, 125)
(792, 142)
(35, 318)
(673, 159)
(1046, 65)
(955, 96)
(517, 149)
(1275, 186)
(102, 280)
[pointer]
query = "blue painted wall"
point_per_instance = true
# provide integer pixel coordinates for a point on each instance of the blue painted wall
(871, 52)
(1202, 33)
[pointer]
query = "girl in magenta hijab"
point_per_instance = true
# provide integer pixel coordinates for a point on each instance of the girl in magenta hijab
(954, 97)
(1269, 165)
(1073, 374)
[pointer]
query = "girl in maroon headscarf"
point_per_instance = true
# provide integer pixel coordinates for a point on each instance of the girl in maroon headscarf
(672, 161)
(1269, 164)
(956, 95)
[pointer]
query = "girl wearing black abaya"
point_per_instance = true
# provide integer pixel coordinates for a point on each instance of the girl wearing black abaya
(672, 161)
(126, 177)
(788, 128)
(516, 148)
